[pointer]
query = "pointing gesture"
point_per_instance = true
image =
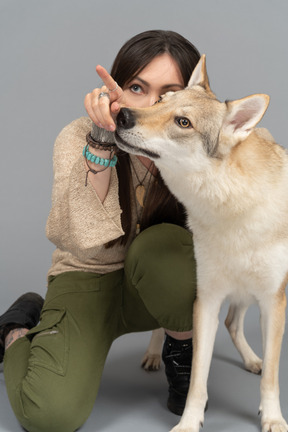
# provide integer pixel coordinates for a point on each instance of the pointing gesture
(103, 104)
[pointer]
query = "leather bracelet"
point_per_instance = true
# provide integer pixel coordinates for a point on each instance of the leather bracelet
(99, 145)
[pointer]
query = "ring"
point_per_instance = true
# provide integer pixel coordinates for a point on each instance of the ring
(110, 91)
(103, 94)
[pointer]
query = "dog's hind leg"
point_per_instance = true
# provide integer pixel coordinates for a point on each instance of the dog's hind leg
(273, 325)
(152, 357)
(235, 325)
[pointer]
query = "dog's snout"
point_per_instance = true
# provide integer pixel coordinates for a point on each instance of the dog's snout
(125, 119)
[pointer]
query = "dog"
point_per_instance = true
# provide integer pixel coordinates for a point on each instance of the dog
(232, 179)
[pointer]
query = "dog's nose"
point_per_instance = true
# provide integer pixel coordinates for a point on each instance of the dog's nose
(125, 119)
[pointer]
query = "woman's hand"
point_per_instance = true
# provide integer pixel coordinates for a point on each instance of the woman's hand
(103, 110)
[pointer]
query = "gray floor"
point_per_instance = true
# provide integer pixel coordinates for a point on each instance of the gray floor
(131, 399)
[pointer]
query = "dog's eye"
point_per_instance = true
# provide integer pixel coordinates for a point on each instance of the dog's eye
(183, 122)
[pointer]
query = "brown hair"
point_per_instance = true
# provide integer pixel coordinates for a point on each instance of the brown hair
(160, 205)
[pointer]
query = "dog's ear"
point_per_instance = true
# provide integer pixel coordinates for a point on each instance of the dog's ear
(199, 75)
(244, 114)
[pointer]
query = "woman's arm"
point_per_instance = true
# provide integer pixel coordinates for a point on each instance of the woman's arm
(101, 180)
(78, 221)
(102, 111)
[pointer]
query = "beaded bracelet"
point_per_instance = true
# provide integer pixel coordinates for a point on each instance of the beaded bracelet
(106, 163)
(98, 160)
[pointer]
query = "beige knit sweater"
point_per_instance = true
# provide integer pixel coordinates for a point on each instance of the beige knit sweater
(79, 224)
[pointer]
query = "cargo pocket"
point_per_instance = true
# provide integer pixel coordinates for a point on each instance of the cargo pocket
(50, 341)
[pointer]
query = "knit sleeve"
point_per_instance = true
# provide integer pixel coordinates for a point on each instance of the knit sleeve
(78, 221)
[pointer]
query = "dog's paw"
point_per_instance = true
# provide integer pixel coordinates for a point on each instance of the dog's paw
(151, 362)
(188, 424)
(176, 429)
(179, 428)
(254, 366)
(276, 425)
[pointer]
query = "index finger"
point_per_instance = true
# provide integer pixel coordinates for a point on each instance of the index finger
(109, 82)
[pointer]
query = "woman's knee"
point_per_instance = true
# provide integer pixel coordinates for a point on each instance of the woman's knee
(159, 238)
(57, 413)
(162, 246)
(162, 255)
(161, 267)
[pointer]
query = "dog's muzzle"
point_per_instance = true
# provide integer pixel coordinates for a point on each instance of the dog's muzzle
(125, 119)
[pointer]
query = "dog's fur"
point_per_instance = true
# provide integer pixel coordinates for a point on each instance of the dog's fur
(233, 181)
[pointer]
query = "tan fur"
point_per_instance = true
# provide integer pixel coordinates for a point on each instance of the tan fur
(233, 181)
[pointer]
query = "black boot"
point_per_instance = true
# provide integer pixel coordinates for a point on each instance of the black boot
(25, 313)
(177, 357)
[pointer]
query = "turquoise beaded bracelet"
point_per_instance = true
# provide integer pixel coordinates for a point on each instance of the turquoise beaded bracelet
(99, 160)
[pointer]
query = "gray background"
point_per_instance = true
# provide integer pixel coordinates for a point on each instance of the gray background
(48, 53)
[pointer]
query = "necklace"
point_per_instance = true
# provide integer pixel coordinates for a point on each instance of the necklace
(140, 190)
(140, 193)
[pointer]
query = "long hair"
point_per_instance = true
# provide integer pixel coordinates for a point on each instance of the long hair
(133, 57)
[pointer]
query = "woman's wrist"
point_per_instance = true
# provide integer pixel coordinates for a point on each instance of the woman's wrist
(99, 159)
(99, 151)
(100, 140)
(99, 148)
(101, 135)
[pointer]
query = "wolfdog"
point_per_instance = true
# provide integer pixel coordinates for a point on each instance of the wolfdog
(232, 179)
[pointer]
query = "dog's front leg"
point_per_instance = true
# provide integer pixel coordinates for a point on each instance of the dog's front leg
(273, 324)
(205, 324)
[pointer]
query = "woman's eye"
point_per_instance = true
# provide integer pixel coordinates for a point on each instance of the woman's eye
(183, 122)
(135, 88)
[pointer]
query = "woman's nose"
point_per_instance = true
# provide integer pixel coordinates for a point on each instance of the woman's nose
(154, 98)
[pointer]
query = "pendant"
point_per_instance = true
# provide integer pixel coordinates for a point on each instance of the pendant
(140, 194)
(137, 228)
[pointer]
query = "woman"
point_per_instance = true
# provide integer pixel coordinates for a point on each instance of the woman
(123, 261)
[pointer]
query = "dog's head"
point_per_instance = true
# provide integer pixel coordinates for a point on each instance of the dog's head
(191, 121)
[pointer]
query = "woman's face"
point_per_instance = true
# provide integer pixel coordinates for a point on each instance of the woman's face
(161, 75)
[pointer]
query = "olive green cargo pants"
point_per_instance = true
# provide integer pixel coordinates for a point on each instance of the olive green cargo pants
(53, 374)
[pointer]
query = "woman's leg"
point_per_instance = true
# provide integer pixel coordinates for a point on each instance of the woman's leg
(160, 275)
(53, 374)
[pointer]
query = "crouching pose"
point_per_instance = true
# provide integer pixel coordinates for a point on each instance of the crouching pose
(124, 261)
